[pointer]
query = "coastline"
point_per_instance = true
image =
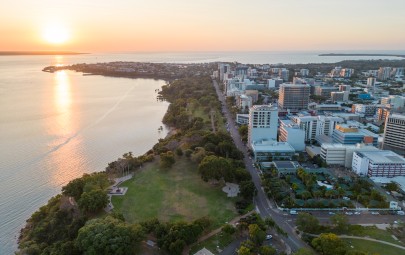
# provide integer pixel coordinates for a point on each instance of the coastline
(360, 55)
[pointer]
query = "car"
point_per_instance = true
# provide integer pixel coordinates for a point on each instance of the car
(293, 212)
(268, 237)
(348, 213)
(332, 213)
(357, 213)
(375, 213)
(400, 212)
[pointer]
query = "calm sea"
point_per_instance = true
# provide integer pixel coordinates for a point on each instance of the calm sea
(55, 127)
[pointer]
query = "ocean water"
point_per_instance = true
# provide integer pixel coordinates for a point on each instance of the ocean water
(56, 126)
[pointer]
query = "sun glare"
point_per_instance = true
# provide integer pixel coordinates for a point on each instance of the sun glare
(56, 34)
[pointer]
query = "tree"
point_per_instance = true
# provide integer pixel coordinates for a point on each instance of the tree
(256, 234)
(215, 168)
(329, 244)
(247, 189)
(307, 223)
(229, 229)
(107, 236)
(167, 159)
(340, 222)
(267, 250)
(93, 201)
(392, 186)
(243, 251)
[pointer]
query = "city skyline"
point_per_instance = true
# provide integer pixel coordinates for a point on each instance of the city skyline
(202, 25)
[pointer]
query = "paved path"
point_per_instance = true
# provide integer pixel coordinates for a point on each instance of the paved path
(373, 240)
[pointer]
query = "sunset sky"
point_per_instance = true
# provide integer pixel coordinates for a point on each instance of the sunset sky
(202, 25)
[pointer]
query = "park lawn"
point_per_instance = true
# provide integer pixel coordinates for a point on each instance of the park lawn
(222, 240)
(373, 247)
(173, 194)
(373, 232)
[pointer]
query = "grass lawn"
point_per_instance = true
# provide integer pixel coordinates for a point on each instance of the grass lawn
(373, 232)
(373, 248)
(221, 239)
(173, 194)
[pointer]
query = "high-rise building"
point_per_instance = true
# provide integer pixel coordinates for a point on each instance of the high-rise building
(292, 134)
(370, 81)
(343, 87)
(340, 96)
(304, 72)
(294, 96)
(325, 91)
(284, 74)
(263, 122)
(223, 69)
(384, 73)
(394, 133)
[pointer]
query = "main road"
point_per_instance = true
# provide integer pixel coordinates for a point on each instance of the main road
(265, 207)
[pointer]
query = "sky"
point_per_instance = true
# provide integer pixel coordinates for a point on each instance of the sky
(201, 25)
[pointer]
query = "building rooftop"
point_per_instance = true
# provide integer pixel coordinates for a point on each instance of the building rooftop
(383, 157)
(272, 146)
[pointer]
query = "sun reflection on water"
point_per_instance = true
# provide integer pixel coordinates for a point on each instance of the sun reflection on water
(66, 158)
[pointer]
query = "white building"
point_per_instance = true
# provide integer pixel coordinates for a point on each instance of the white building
(304, 72)
(340, 154)
(378, 163)
(292, 134)
(341, 96)
(371, 81)
(274, 83)
(266, 150)
(242, 119)
(364, 110)
(316, 125)
(263, 122)
(244, 102)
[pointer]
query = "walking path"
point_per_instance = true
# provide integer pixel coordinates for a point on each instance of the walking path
(366, 238)
(373, 240)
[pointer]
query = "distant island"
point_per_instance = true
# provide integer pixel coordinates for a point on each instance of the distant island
(360, 54)
(16, 53)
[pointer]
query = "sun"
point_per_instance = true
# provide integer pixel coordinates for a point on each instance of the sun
(55, 33)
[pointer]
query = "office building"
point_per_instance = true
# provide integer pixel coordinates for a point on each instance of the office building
(342, 154)
(384, 73)
(294, 96)
(292, 134)
(364, 110)
(341, 96)
(378, 163)
(394, 133)
(325, 91)
(346, 134)
(316, 125)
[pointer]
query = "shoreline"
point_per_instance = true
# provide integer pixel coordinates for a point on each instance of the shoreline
(360, 55)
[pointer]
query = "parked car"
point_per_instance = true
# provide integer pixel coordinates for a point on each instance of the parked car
(375, 213)
(348, 213)
(268, 237)
(332, 213)
(293, 212)
(357, 213)
(400, 212)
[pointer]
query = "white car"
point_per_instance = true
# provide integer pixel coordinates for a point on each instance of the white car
(331, 213)
(268, 237)
(375, 213)
(357, 213)
(348, 213)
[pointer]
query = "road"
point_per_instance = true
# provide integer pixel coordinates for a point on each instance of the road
(263, 205)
